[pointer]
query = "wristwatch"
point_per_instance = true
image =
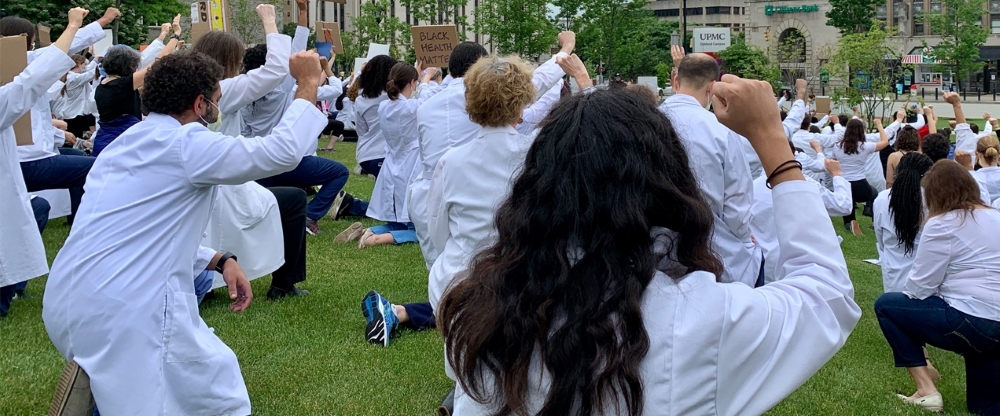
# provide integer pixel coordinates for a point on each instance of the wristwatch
(175, 36)
(223, 260)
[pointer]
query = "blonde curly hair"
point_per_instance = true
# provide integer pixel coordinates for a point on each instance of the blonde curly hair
(497, 89)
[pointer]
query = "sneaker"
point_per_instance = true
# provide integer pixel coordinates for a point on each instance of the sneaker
(73, 396)
(275, 293)
(357, 170)
(380, 317)
(350, 233)
(364, 238)
(312, 227)
(931, 402)
(341, 205)
(19, 294)
(856, 228)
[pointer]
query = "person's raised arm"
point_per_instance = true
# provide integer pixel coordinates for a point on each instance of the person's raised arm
(795, 115)
(932, 119)
(139, 77)
(301, 38)
(780, 334)
(94, 32)
(883, 138)
(574, 67)
(149, 55)
(550, 73)
(838, 203)
(965, 139)
(65, 41)
(244, 89)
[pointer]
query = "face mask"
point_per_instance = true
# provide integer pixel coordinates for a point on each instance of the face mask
(103, 74)
(205, 122)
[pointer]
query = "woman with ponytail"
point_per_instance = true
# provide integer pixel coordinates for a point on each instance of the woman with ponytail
(852, 152)
(988, 155)
(899, 213)
(370, 153)
(397, 117)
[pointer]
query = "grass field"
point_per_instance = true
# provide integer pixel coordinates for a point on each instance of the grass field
(308, 356)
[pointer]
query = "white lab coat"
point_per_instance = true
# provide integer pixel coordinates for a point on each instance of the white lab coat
(989, 182)
(763, 224)
(966, 140)
(22, 254)
(442, 123)
(42, 131)
(802, 138)
(893, 260)
(727, 349)
(719, 163)
(245, 220)
(120, 299)
(398, 119)
(76, 101)
(468, 186)
(533, 114)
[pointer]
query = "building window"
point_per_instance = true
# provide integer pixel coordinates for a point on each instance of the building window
(666, 13)
(692, 11)
(994, 6)
(935, 7)
(880, 12)
(995, 24)
(717, 10)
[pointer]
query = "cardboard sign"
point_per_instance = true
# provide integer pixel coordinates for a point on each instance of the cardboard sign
(216, 9)
(330, 32)
(14, 50)
(433, 44)
(199, 29)
(358, 63)
(823, 105)
(376, 49)
(44, 35)
(102, 46)
(195, 12)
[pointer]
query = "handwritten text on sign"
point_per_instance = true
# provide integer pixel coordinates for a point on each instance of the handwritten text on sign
(433, 44)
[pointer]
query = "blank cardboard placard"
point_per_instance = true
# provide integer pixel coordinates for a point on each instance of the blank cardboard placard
(823, 105)
(199, 29)
(44, 35)
(433, 44)
(334, 38)
(101, 47)
(14, 50)
(358, 63)
(376, 49)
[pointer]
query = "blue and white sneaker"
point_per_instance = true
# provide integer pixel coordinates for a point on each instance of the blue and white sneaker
(381, 318)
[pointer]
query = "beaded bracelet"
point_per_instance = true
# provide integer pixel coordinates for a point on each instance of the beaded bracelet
(788, 165)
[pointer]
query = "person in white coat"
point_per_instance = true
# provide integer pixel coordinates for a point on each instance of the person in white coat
(899, 214)
(988, 177)
(624, 264)
(398, 122)
(854, 152)
(720, 166)
(472, 178)
(442, 123)
(267, 226)
(22, 254)
(370, 153)
(763, 224)
(120, 303)
(803, 137)
(72, 104)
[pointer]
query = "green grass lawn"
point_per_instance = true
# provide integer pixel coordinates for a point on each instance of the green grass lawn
(308, 356)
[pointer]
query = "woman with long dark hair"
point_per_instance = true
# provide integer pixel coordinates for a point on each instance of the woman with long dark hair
(371, 144)
(600, 294)
(950, 300)
(899, 214)
(907, 140)
(852, 152)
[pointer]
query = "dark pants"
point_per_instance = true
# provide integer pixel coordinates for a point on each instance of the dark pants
(909, 324)
(292, 207)
(334, 127)
(41, 208)
(312, 171)
(421, 316)
(80, 124)
(59, 172)
(861, 191)
(372, 166)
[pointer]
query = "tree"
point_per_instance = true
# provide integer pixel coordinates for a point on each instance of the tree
(518, 27)
(749, 61)
(866, 63)
(439, 12)
(244, 21)
(852, 16)
(137, 15)
(959, 24)
(375, 24)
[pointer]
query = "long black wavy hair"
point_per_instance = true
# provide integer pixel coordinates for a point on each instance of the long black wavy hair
(906, 203)
(376, 75)
(573, 258)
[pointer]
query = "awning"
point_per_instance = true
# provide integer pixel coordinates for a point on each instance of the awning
(989, 53)
(913, 59)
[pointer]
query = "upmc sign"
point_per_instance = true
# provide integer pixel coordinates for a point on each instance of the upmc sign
(711, 39)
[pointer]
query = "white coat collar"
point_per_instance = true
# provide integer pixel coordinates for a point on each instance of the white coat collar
(157, 118)
(684, 99)
(498, 130)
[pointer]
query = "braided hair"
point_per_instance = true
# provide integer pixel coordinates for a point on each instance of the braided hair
(906, 204)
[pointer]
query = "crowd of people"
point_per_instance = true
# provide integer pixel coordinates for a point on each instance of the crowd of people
(570, 237)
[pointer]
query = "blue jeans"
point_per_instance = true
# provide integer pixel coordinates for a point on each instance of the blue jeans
(312, 171)
(401, 233)
(203, 284)
(59, 172)
(909, 324)
(372, 166)
(41, 208)
(421, 316)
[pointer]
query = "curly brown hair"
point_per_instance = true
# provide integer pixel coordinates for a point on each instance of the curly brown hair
(497, 89)
(175, 81)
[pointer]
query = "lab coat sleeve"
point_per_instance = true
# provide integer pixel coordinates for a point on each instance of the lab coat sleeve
(329, 92)
(86, 37)
(987, 129)
(437, 210)
(212, 158)
(919, 123)
(74, 80)
(827, 141)
(838, 203)
(774, 338)
(424, 92)
(892, 130)
(930, 264)
(984, 190)
(822, 122)
(547, 75)
(301, 39)
(812, 164)
(539, 109)
(17, 97)
(877, 220)
(242, 90)
(793, 119)
(966, 140)
(782, 101)
(152, 51)
(738, 191)
(203, 258)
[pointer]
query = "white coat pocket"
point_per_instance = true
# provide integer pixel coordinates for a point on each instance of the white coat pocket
(248, 202)
(188, 338)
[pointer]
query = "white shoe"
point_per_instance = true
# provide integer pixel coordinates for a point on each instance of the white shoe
(357, 170)
(364, 238)
(931, 402)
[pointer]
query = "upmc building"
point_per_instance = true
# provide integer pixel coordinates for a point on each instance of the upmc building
(768, 22)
